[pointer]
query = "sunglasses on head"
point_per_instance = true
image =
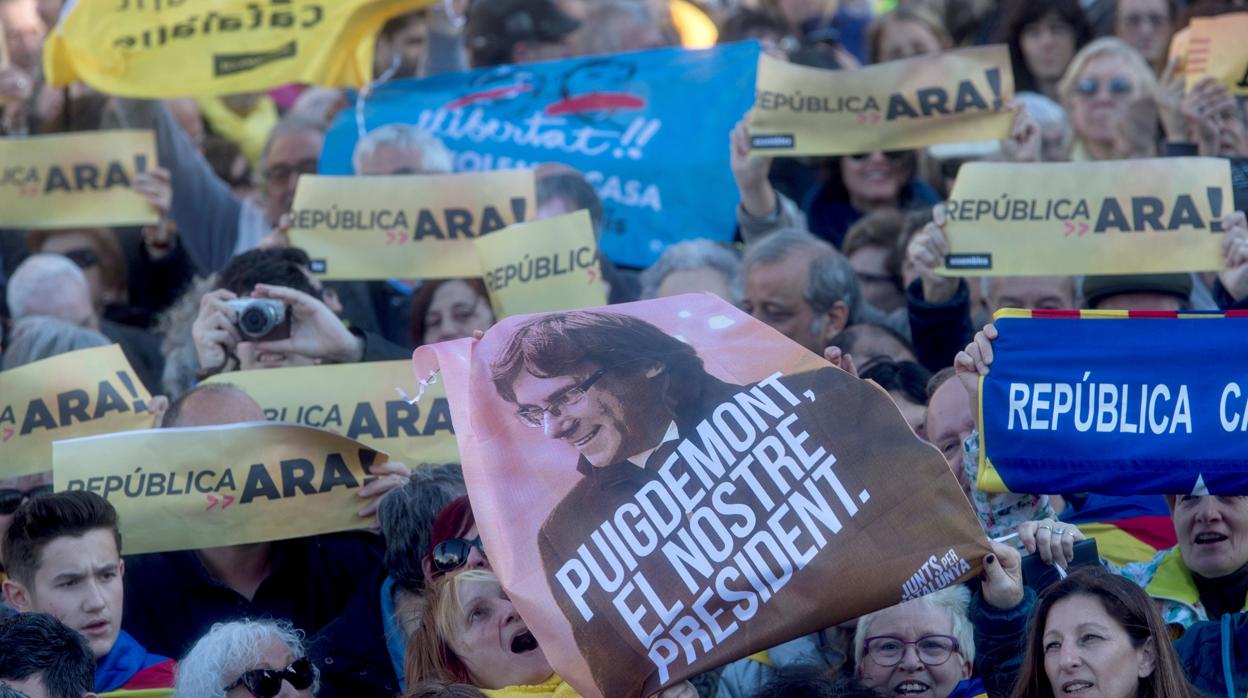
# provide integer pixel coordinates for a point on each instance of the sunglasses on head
(453, 553)
(1118, 87)
(10, 500)
(891, 155)
(267, 683)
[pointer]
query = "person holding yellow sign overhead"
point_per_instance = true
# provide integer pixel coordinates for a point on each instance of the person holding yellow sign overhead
(307, 581)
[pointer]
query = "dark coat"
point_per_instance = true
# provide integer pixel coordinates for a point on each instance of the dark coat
(351, 651)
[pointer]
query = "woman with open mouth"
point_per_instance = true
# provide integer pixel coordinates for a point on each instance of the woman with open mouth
(471, 633)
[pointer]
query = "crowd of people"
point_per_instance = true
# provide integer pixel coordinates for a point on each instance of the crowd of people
(842, 255)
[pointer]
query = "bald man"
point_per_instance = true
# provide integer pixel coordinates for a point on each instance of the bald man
(177, 596)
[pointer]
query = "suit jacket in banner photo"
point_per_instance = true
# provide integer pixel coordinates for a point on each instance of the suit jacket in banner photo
(649, 130)
(667, 486)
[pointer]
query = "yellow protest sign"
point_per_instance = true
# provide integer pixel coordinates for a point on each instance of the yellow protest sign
(179, 489)
(75, 180)
(81, 393)
(405, 227)
(546, 265)
(1216, 47)
(1116, 217)
(172, 48)
(947, 97)
(361, 401)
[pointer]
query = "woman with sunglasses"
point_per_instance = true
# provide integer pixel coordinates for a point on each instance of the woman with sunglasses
(454, 541)
(1099, 89)
(248, 659)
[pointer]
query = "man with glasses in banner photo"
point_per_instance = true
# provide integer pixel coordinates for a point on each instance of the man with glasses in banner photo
(625, 395)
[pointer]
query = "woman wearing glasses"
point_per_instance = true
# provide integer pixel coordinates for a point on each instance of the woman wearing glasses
(248, 659)
(1099, 89)
(919, 649)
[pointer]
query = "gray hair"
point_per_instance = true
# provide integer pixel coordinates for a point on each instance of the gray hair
(600, 35)
(406, 517)
(289, 125)
(955, 600)
(177, 344)
(1048, 113)
(434, 156)
(690, 255)
(832, 279)
(40, 274)
(36, 338)
(228, 650)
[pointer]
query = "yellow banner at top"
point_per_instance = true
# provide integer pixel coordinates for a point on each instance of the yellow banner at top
(1216, 47)
(947, 97)
(173, 48)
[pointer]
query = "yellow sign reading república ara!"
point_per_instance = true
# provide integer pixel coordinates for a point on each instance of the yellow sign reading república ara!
(1119, 217)
(80, 393)
(75, 180)
(361, 401)
(405, 227)
(197, 487)
(947, 97)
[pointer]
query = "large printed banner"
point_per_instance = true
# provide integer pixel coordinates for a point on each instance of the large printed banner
(663, 487)
(1115, 402)
(1122, 217)
(1216, 47)
(158, 49)
(361, 401)
(200, 487)
(545, 265)
(649, 130)
(75, 180)
(405, 227)
(81, 393)
(948, 97)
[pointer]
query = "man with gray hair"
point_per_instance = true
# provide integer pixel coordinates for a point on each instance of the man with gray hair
(361, 653)
(401, 149)
(51, 285)
(694, 266)
(801, 286)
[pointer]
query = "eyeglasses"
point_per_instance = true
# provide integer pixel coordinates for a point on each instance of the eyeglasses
(891, 155)
(10, 499)
(267, 683)
(83, 258)
(535, 417)
(933, 650)
(1118, 87)
(280, 174)
(452, 554)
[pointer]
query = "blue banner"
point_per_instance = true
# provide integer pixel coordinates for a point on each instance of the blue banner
(1118, 405)
(650, 130)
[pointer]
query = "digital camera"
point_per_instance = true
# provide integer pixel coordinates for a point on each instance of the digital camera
(261, 319)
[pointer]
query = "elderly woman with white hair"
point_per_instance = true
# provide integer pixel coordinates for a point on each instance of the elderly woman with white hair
(923, 648)
(242, 659)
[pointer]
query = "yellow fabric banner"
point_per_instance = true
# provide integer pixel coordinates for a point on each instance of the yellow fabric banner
(75, 180)
(361, 401)
(180, 489)
(948, 97)
(82, 393)
(405, 227)
(1121, 217)
(157, 49)
(543, 266)
(1216, 47)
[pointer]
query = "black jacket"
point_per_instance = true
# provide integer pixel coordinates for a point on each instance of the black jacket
(351, 651)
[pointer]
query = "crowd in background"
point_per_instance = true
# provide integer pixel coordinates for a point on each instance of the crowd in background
(840, 254)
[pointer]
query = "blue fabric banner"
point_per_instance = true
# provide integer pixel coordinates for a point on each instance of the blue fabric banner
(1118, 405)
(650, 130)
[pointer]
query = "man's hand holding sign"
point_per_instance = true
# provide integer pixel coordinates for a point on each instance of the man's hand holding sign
(722, 506)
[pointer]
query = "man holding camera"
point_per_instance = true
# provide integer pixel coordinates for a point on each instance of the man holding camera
(268, 311)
